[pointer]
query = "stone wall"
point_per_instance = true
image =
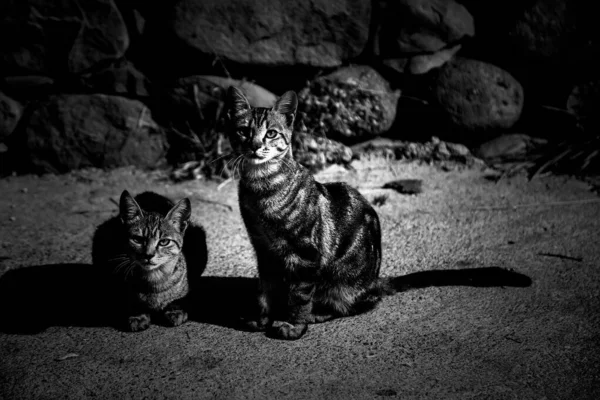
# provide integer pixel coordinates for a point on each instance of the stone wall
(106, 83)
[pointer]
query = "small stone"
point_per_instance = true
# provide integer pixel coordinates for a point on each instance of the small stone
(405, 186)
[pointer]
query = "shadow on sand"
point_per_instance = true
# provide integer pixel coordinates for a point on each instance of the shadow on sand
(35, 298)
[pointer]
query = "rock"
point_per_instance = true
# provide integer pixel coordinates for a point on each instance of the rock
(457, 150)
(422, 63)
(539, 41)
(75, 131)
(506, 148)
(350, 104)
(316, 153)
(405, 186)
(434, 150)
(318, 33)
(257, 95)
(421, 26)
(10, 114)
(26, 87)
(121, 77)
(478, 96)
(541, 29)
(195, 91)
(55, 38)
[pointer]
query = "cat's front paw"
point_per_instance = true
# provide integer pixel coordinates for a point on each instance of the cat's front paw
(138, 323)
(286, 331)
(175, 317)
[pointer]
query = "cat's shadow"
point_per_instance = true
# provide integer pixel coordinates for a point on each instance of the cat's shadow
(35, 298)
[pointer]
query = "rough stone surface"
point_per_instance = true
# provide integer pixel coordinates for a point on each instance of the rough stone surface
(121, 77)
(349, 104)
(10, 114)
(478, 96)
(422, 63)
(511, 147)
(318, 33)
(539, 41)
(437, 342)
(316, 153)
(53, 38)
(421, 26)
(205, 93)
(27, 87)
(76, 131)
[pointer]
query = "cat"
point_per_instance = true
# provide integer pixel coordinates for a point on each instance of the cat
(318, 246)
(152, 256)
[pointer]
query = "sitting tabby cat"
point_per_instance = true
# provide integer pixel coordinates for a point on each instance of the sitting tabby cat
(318, 246)
(153, 256)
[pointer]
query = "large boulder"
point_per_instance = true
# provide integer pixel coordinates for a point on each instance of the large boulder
(75, 131)
(419, 64)
(421, 26)
(351, 104)
(477, 96)
(57, 37)
(320, 33)
(539, 41)
(120, 77)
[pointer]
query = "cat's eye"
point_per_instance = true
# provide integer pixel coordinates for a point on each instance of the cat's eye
(164, 242)
(137, 239)
(271, 134)
(243, 131)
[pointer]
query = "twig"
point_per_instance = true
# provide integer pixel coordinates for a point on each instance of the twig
(578, 259)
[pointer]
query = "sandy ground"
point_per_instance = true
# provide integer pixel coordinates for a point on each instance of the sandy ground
(445, 341)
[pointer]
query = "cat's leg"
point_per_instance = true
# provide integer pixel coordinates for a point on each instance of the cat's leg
(139, 322)
(260, 318)
(299, 313)
(137, 316)
(175, 313)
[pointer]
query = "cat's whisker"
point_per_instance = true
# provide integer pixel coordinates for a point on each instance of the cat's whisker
(231, 161)
(119, 257)
(220, 157)
(121, 265)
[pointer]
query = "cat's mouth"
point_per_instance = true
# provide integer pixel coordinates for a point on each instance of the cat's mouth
(149, 267)
(256, 159)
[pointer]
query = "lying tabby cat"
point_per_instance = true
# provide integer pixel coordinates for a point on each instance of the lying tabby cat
(318, 246)
(153, 257)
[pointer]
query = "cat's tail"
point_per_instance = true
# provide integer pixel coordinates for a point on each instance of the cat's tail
(477, 277)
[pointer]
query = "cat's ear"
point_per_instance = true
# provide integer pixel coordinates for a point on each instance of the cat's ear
(129, 209)
(237, 102)
(287, 105)
(179, 215)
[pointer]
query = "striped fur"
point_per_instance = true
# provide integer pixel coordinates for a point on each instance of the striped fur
(318, 246)
(145, 258)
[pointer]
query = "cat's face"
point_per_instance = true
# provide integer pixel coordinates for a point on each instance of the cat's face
(154, 242)
(261, 135)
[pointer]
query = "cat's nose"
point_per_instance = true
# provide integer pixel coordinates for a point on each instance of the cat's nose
(148, 257)
(255, 145)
